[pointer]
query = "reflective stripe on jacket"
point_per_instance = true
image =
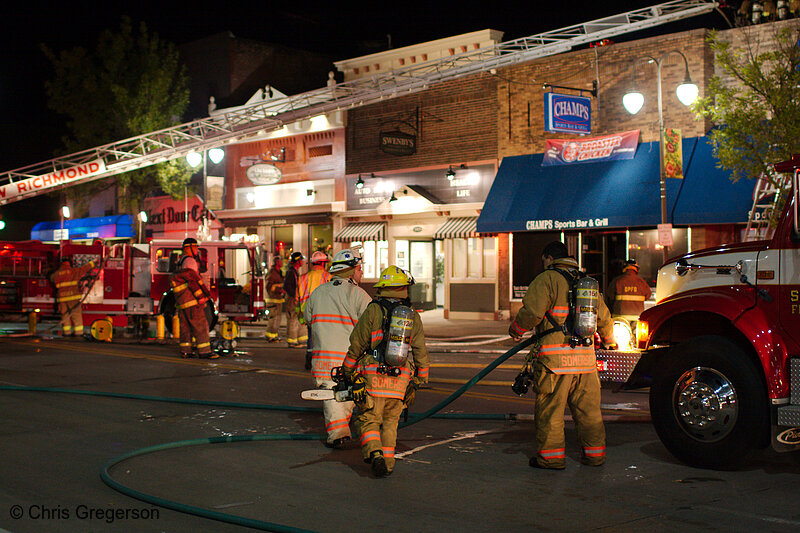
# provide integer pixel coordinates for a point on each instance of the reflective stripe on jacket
(308, 283)
(66, 280)
(549, 291)
(366, 336)
(333, 310)
(188, 288)
(626, 294)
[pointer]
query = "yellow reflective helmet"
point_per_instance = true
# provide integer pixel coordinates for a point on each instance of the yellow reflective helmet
(393, 276)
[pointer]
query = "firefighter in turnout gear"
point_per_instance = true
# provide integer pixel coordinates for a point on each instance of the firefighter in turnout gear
(563, 374)
(626, 294)
(295, 331)
(69, 294)
(306, 285)
(275, 299)
(191, 296)
(382, 391)
(332, 311)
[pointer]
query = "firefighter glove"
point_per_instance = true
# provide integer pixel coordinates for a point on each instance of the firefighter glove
(359, 388)
(411, 392)
(513, 332)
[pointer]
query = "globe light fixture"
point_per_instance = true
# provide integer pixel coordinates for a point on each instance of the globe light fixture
(633, 102)
(216, 155)
(194, 159)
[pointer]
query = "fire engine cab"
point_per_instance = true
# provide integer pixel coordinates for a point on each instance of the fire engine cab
(132, 280)
(720, 350)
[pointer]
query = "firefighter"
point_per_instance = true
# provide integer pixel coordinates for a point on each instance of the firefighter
(295, 332)
(69, 295)
(191, 297)
(332, 311)
(626, 293)
(562, 374)
(274, 299)
(190, 249)
(307, 284)
(382, 391)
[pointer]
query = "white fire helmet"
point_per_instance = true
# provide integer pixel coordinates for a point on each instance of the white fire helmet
(343, 260)
(190, 263)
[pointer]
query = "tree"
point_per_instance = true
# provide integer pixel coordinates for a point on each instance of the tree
(758, 114)
(133, 83)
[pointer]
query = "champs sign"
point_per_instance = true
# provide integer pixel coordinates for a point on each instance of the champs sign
(54, 179)
(567, 114)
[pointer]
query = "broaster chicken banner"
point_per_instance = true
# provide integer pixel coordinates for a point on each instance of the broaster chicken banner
(591, 150)
(54, 179)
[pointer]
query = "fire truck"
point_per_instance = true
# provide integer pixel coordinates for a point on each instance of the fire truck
(720, 350)
(131, 282)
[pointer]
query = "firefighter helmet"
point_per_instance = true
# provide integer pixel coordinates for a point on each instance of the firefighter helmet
(189, 241)
(295, 257)
(344, 260)
(190, 263)
(318, 258)
(393, 276)
(630, 264)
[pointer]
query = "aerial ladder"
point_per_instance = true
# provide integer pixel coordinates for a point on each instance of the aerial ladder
(258, 119)
(768, 198)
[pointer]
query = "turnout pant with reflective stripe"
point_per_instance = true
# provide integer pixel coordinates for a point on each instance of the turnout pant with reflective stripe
(336, 414)
(193, 324)
(71, 317)
(378, 428)
(581, 392)
(273, 321)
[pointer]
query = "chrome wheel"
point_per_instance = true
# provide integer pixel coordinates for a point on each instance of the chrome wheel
(705, 404)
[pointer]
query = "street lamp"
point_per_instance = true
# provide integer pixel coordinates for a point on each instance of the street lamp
(64, 214)
(142, 216)
(634, 100)
(216, 155)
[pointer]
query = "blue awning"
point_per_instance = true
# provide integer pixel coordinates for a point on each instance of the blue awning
(526, 196)
(108, 227)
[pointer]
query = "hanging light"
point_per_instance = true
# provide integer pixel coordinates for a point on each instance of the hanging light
(450, 174)
(194, 159)
(393, 198)
(216, 155)
(360, 183)
(687, 91)
(633, 101)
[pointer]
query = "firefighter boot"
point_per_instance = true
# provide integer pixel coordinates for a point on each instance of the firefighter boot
(378, 464)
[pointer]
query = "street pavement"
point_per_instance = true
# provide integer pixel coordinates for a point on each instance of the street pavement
(468, 472)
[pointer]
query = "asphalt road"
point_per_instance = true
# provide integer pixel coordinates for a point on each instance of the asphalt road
(454, 474)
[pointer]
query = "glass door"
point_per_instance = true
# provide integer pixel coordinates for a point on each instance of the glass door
(422, 267)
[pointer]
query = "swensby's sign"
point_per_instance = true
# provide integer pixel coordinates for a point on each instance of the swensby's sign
(53, 179)
(397, 143)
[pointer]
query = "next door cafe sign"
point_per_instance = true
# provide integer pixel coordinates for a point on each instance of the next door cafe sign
(567, 114)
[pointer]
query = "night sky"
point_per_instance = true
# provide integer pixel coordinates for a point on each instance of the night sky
(29, 132)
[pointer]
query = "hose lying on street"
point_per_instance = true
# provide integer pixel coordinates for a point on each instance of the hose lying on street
(107, 478)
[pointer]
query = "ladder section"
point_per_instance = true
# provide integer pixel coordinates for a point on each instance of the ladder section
(766, 200)
(257, 119)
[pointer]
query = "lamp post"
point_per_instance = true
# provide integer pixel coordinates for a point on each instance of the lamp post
(194, 159)
(142, 216)
(634, 100)
(64, 214)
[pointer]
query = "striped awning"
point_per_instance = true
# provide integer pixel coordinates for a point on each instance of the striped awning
(362, 231)
(457, 228)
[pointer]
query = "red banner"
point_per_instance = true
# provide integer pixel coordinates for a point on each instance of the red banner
(591, 150)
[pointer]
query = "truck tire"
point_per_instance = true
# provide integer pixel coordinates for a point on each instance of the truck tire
(708, 403)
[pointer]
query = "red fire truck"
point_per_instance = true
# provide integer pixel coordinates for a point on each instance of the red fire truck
(721, 347)
(133, 279)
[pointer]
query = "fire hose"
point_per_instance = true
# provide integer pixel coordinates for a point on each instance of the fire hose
(109, 480)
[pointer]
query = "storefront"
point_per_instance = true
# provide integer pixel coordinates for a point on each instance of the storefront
(168, 218)
(608, 212)
(423, 220)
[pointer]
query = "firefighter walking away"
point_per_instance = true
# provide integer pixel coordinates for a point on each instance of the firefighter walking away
(565, 308)
(383, 376)
(69, 295)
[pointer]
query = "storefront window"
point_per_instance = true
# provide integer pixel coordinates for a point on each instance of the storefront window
(644, 248)
(459, 258)
(321, 238)
(283, 241)
(374, 256)
(401, 253)
(474, 258)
